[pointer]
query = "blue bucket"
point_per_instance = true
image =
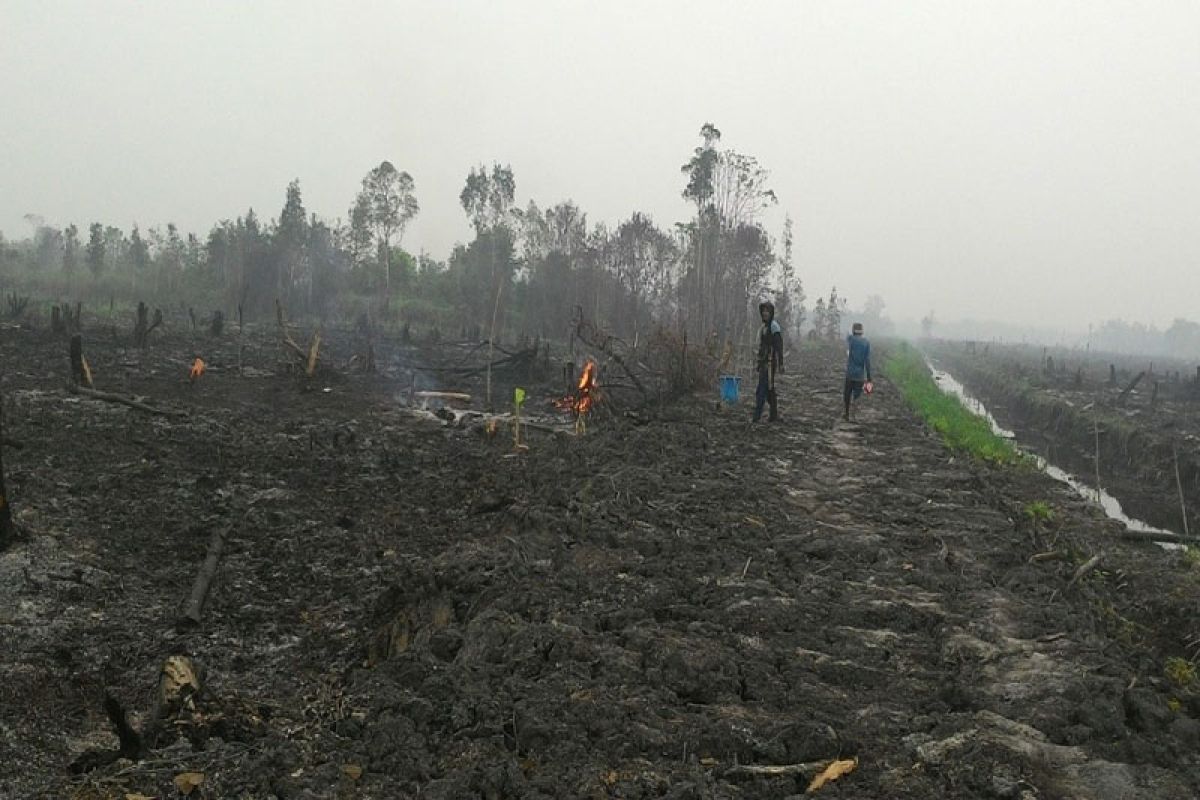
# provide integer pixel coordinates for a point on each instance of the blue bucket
(730, 386)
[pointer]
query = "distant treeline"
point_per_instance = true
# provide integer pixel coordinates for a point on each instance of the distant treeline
(527, 269)
(1180, 340)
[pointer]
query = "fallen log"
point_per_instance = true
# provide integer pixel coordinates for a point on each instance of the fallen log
(194, 607)
(92, 394)
(1160, 536)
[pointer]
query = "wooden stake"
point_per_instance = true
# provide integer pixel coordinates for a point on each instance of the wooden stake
(313, 347)
(1179, 486)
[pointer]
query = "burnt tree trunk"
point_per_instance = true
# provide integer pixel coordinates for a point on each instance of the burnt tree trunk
(140, 327)
(8, 532)
(75, 353)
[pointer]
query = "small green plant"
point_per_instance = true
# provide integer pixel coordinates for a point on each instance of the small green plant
(1039, 511)
(1181, 671)
(1191, 556)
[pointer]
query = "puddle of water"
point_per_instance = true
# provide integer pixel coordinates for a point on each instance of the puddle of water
(1112, 507)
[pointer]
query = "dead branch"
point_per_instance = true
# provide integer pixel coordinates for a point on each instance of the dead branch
(604, 345)
(125, 401)
(1086, 568)
(194, 606)
(775, 770)
(460, 396)
(1132, 385)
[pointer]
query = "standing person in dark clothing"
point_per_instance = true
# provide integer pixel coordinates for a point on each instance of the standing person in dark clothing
(769, 362)
(858, 367)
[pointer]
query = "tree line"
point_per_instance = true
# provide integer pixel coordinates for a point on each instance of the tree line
(527, 269)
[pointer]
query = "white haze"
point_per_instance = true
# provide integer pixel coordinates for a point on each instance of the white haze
(1027, 161)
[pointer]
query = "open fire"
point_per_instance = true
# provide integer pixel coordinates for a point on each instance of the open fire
(197, 369)
(586, 394)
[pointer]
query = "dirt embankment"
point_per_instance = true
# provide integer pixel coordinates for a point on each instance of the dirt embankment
(1140, 435)
(674, 605)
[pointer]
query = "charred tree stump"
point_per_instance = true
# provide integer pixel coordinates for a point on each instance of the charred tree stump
(57, 327)
(192, 316)
(81, 374)
(142, 329)
(217, 326)
(178, 685)
(8, 531)
(1112, 374)
(194, 607)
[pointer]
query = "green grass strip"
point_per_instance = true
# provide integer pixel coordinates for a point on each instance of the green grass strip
(961, 429)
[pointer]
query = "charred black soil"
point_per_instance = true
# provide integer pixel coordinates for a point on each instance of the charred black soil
(662, 607)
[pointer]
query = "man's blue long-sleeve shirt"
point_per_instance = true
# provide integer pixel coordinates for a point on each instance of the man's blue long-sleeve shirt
(858, 359)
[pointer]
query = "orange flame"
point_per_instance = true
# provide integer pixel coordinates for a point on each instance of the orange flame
(585, 396)
(197, 369)
(587, 389)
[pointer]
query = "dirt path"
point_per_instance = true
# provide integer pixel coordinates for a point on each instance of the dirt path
(642, 612)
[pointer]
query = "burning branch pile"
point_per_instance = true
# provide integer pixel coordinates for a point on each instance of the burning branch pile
(583, 400)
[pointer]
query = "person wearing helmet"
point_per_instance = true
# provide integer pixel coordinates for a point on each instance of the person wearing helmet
(769, 362)
(858, 367)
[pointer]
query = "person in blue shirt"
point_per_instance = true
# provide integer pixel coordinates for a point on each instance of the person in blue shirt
(858, 367)
(769, 362)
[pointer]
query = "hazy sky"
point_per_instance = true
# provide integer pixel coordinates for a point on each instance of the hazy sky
(1032, 161)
